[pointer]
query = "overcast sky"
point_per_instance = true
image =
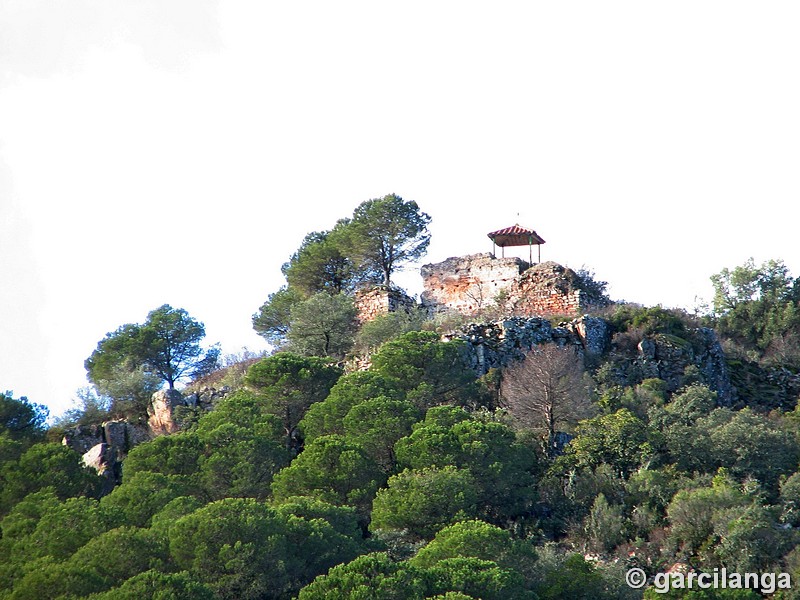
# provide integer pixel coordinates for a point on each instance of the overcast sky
(177, 151)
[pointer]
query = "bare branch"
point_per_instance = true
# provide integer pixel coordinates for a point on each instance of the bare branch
(545, 391)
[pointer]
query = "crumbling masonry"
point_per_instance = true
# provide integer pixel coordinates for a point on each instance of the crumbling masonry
(471, 285)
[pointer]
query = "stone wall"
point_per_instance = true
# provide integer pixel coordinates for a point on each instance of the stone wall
(476, 283)
(547, 289)
(468, 284)
(380, 300)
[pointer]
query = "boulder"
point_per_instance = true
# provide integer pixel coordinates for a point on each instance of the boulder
(104, 459)
(99, 457)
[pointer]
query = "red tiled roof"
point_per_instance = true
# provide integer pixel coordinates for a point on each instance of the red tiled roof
(515, 236)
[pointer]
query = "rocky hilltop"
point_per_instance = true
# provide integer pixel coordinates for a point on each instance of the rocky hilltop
(498, 344)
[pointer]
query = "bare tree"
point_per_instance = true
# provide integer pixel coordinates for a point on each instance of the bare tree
(546, 391)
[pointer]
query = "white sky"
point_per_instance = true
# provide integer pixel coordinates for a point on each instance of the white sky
(177, 151)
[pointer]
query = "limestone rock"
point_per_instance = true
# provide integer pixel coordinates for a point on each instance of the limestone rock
(714, 367)
(160, 411)
(672, 355)
(668, 357)
(499, 343)
(103, 447)
(99, 457)
(104, 459)
(647, 349)
(206, 397)
(594, 333)
(83, 437)
(115, 434)
(122, 435)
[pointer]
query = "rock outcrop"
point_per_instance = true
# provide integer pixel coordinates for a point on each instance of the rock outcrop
(100, 457)
(161, 411)
(119, 435)
(205, 397)
(103, 459)
(103, 447)
(669, 357)
(499, 343)
(162, 418)
(83, 437)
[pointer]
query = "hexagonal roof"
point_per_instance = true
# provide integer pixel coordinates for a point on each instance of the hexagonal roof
(516, 235)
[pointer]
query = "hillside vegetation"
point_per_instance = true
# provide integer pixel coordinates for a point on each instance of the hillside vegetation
(371, 461)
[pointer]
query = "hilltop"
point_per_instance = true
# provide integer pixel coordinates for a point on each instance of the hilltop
(512, 433)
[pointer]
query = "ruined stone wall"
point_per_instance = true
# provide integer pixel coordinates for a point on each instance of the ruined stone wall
(372, 302)
(547, 289)
(469, 284)
(479, 282)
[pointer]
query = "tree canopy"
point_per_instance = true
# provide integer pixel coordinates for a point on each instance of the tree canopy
(167, 345)
(324, 262)
(545, 391)
(382, 235)
(388, 231)
(21, 418)
(323, 325)
(324, 477)
(757, 306)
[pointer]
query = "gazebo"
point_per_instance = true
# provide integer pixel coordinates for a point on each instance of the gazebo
(517, 235)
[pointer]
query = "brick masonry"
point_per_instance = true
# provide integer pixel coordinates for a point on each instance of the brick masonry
(469, 284)
(479, 282)
(380, 300)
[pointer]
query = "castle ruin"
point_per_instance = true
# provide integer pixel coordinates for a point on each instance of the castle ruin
(474, 284)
